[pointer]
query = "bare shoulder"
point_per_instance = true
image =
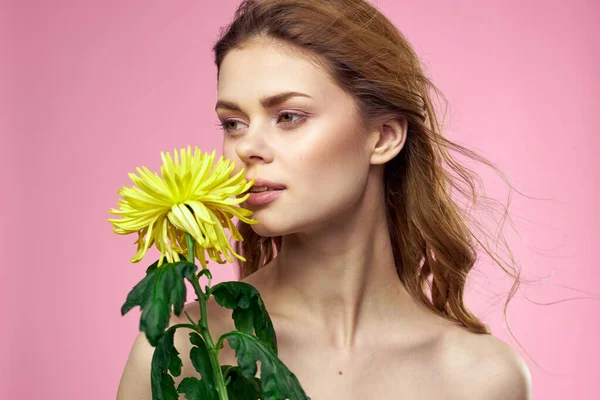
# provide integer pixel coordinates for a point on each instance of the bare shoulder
(219, 318)
(481, 366)
(135, 380)
(219, 322)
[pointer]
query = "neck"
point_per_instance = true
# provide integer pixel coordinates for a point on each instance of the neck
(341, 280)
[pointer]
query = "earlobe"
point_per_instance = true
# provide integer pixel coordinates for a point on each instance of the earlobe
(391, 136)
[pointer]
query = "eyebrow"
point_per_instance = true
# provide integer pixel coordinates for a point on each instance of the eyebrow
(267, 102)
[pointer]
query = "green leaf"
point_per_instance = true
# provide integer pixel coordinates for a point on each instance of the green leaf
(165, 358)
(224, 371)
(194, 389)
(277, 381)
(238, 387)
(136, 295)
(167, 390)
(201, 362)
(161, 289)
(248, 310)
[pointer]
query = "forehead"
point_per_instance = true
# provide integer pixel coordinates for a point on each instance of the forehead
(261, 69)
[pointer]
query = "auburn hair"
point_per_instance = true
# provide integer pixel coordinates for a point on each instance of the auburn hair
(434, 239)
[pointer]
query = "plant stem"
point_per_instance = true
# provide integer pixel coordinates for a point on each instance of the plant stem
(212, 351)
(190, 244)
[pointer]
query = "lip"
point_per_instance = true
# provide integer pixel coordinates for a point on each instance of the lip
(266, 183)
(262, 198)
(263, 182)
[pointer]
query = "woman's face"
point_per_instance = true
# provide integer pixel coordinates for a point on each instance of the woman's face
(312, 144)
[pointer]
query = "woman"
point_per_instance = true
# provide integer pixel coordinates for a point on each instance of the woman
(327, 102)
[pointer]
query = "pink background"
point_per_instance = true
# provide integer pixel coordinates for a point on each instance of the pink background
(90, 90)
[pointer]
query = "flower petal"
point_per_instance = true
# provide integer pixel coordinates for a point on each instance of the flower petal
(195, 195)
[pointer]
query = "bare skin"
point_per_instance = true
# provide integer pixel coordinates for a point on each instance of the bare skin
(413, 354)
(345, 325)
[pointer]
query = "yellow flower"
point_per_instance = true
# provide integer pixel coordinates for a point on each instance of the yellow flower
(188, 199)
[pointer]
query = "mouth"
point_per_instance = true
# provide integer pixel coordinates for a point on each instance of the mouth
(253, 191)
(262, 186)
(263, 197)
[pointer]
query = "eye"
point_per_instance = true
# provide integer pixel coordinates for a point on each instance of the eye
(225, 124)
(292, 122)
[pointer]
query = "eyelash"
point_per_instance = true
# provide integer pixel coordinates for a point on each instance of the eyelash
(222, 123)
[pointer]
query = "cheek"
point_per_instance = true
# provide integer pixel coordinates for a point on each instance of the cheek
(335, 169)
(228, 151)
(339, 152)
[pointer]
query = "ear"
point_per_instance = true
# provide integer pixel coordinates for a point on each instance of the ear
(389, 139)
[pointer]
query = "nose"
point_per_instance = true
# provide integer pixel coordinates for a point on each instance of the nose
(252, 148)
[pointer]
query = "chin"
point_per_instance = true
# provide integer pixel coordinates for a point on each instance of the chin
(270, 226)
(266, 231)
